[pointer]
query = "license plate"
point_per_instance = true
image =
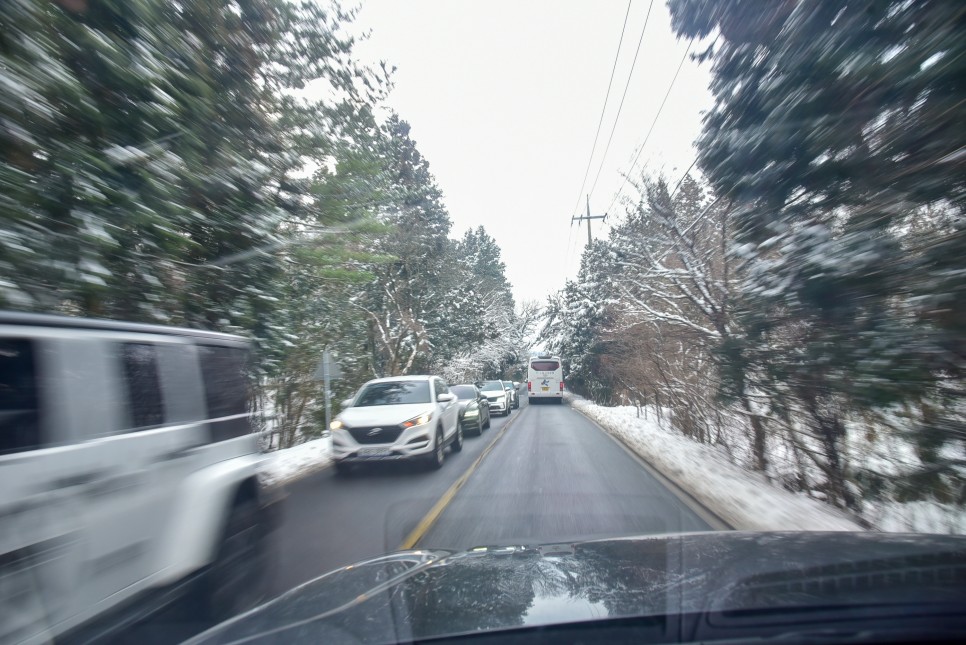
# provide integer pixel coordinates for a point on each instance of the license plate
(545, 389)
(373, 452)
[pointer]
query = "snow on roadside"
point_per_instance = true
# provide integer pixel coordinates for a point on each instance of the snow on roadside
(283, 466)
(743, 499)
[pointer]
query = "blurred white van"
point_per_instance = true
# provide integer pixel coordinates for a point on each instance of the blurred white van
(128, 475)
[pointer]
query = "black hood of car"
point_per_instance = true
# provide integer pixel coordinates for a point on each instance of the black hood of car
(422, 594)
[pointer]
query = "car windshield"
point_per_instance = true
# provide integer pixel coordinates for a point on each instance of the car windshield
(716, 247)
(393, 393)
(464, 392)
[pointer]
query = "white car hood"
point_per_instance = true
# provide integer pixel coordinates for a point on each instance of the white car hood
(378, 415)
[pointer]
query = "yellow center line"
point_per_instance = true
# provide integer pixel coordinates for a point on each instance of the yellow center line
(430, 518)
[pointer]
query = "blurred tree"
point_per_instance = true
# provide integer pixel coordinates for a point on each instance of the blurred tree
(149, 154)
(835, 125)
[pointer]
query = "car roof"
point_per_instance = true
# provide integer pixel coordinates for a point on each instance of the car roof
(101, 324)
(408, 377)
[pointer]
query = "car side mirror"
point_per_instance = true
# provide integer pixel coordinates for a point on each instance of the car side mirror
(347, 403)
(446, 397)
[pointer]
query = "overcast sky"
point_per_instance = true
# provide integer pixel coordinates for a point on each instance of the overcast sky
(504, 98)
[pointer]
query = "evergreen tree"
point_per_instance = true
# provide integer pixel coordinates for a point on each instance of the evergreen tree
(836, 128)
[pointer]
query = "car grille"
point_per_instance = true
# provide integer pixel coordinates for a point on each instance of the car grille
(376, 434)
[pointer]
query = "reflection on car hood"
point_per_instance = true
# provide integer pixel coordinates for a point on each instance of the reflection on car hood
(426, 593)
(375, 415)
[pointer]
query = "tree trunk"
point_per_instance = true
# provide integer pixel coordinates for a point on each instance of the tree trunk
(758, 440)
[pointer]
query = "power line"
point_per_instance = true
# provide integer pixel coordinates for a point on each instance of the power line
(653, 123)
(600, 123)
(603, 109)
(627, 85)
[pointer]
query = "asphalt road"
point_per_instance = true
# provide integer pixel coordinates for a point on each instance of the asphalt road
(556, 477)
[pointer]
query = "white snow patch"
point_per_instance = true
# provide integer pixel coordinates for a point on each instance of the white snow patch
(743, 499)
(283, 466)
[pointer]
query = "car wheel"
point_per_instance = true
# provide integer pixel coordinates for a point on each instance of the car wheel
(489, 420)
(457, 444)
(479, 426)
(238, 578)
(343, 468)
(436, 457)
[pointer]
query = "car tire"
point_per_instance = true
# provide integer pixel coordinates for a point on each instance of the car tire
(476, 430)
(457, 445)
(238, 579)
(489, 421)
(435, 459)
(343, 468)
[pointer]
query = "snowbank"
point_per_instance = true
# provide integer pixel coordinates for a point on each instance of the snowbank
(282, 466)
(743, 499)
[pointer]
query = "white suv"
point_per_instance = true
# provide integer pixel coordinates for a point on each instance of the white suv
(397, 418)
(498, 396)
(128, 473)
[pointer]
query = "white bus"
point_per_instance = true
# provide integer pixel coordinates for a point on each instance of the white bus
(545, 378)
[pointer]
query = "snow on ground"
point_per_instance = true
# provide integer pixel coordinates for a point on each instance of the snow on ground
(920, 517)
(283, 466)
(743, 499)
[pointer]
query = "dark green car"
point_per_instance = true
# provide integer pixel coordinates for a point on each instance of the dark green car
(474, 412)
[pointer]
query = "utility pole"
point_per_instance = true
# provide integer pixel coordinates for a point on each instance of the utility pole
(587, 217)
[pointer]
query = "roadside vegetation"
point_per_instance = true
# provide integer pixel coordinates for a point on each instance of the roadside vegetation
(798, 300)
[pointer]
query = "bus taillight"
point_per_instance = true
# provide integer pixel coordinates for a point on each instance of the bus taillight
(561, 386)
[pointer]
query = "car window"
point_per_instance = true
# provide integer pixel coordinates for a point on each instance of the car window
(393, 393)
(545, 366)
(464, 392)
(143, 385)
(19, 406)
(491, 386)
(224, 370)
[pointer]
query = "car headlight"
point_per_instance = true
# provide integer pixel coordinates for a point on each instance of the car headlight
(422, 419)
(471, 413)
(336, 425)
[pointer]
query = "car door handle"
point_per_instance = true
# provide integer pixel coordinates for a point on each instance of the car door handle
(180, 453)
(80, 479)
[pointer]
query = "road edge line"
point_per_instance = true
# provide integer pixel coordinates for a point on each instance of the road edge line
(714, 520)
(433, 514)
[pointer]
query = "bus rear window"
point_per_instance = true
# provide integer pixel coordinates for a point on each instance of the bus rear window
(545, 366)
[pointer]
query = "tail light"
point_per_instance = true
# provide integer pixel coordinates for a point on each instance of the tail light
(561, 386)
(529, 386)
